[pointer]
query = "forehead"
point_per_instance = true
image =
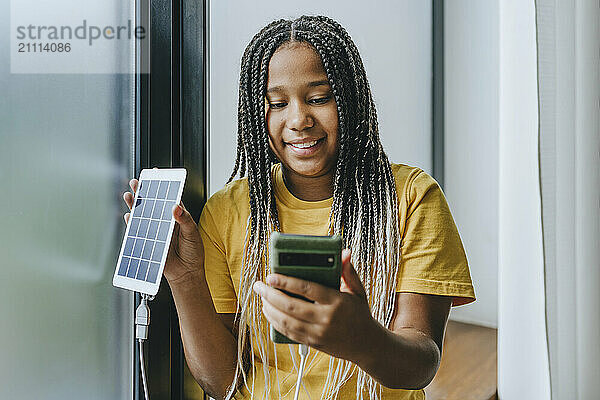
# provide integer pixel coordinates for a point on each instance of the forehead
(295, 64)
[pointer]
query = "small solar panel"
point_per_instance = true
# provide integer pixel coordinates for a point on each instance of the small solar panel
(146, 243)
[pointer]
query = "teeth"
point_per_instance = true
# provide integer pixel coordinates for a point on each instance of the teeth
(305, 145)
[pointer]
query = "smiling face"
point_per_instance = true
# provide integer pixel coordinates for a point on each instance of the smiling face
(301, 112)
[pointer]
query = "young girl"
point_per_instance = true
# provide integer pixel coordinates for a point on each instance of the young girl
(311, 162)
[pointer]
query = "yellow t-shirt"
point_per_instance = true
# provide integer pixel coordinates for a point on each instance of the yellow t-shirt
(432, 261)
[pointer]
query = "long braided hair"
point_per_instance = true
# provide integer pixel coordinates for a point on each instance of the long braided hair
(364, 210)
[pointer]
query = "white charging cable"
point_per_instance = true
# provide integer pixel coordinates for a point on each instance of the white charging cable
(303, 350)
(142, 322)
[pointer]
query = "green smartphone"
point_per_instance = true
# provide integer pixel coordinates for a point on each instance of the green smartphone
(312, 258)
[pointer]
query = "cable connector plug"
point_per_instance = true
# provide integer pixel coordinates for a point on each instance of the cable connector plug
(142, 319)
(303, 350)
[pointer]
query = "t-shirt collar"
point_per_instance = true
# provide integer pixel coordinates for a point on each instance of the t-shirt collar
(286, 197)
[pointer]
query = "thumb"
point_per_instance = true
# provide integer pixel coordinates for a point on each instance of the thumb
(187, 225)
(351, 282)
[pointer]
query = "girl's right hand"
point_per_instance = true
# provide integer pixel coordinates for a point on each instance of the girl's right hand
(186, 252)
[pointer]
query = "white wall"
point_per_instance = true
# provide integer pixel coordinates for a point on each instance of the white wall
(471, 145)
(394, 39)
(522, 346)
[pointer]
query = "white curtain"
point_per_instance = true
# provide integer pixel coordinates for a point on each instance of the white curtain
(568, 47)
(522, 349)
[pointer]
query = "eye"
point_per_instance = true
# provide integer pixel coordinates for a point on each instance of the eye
(277, 105)
(320, 100)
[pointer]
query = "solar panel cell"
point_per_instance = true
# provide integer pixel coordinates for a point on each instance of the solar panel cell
(143, 228)
(153, 189)
(162, 190)
(158, 209)
(149, 244)
(142, 270)
(152, 272)
(163, 231)
(133, 266)
(144, 185)
(139, 208)
(137, 248)
(123, 266)
(148, 206)
(173, 190)
(135, 223)
(128, 246)
(152, 229)
(158, 250)
(168, 211)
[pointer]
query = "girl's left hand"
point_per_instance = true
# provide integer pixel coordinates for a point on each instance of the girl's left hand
(338, 322)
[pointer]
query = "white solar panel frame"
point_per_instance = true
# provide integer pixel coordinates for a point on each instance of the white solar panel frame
(136, 285)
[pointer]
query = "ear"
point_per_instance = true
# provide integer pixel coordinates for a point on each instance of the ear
(351, 282)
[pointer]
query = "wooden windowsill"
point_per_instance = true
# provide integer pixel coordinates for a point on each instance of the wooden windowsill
(468, 370)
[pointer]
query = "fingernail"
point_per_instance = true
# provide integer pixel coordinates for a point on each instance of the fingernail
(257, 287)
(178, 210)
(271, 280)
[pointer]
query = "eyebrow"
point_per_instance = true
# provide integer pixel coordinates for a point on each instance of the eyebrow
(310, 84)
(319, 83)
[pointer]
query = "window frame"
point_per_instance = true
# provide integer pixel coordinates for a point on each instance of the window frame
(170, 133)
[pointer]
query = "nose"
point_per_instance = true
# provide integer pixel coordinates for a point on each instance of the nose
(299, 117)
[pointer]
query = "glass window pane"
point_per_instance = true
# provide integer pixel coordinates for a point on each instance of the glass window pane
(65, 158)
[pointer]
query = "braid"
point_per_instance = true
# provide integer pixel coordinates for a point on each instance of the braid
(364, 210)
